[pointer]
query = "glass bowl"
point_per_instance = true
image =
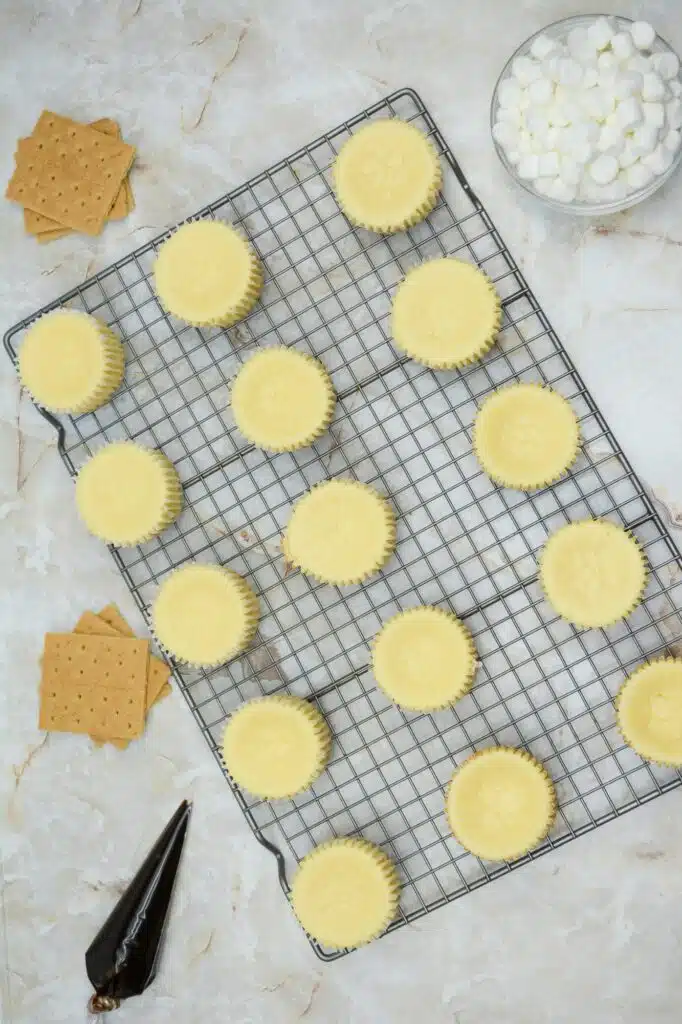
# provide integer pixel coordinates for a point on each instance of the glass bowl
(559, 30)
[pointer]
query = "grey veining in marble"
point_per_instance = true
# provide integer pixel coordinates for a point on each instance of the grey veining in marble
(211, 92)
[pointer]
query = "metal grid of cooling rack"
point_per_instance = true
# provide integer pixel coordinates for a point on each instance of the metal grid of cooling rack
(463, 542)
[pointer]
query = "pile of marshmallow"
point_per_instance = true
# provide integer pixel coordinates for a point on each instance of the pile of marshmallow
(592, 117)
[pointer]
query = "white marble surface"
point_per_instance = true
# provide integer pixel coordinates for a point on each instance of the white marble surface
(211, 92)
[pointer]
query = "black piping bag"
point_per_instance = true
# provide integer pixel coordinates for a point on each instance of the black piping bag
(123, 959)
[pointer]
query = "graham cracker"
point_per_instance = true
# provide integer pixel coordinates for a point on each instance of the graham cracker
(91, 624)
(158, 686)
(70, 172)
(39, 225)
(51, 236)
(129, 197)
(93, 684)
(113, 617)
(110, 622)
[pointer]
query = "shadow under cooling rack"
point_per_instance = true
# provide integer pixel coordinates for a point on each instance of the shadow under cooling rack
(463, 542)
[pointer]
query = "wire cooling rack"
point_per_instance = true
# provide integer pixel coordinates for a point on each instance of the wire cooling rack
(463, 542)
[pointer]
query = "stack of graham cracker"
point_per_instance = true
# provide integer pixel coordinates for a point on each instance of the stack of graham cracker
(71, 177)
(100, 680)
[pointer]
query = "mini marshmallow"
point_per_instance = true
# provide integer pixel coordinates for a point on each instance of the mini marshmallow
(627, 156)
(615, 152)
(590, 78)
(604, 169)
(562, 191)
(549, 164)
(627, 84)
(525, 70)
(653, 87)
(525, 143)
(659, 161)
(672, 140)
(643, 35)
(673, 111)
(623, 182)
(600, 33)
(506, 134)
(541, 92)
(511, 114)
(509, 93)
(654, 113)
(513, 156)
(529, 167)
(538, 120)
(579, 45)
(607, 64)
(543, 47)
(570, 171)
(559, 115)
(615, 190)
(573, 112)
(589, 131)
(638, 175)
(552, 137)
(622, 46)
(570, 136)
(666, 64)
(629, 112)
(639, 63)
(541, 140)
(543, 185)
(581, 152)
(619, 188)
(590, 190)
(550, 68)
(610, 138)
(569, 73)
(675, 87)
(597, 103)
(644, 139)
